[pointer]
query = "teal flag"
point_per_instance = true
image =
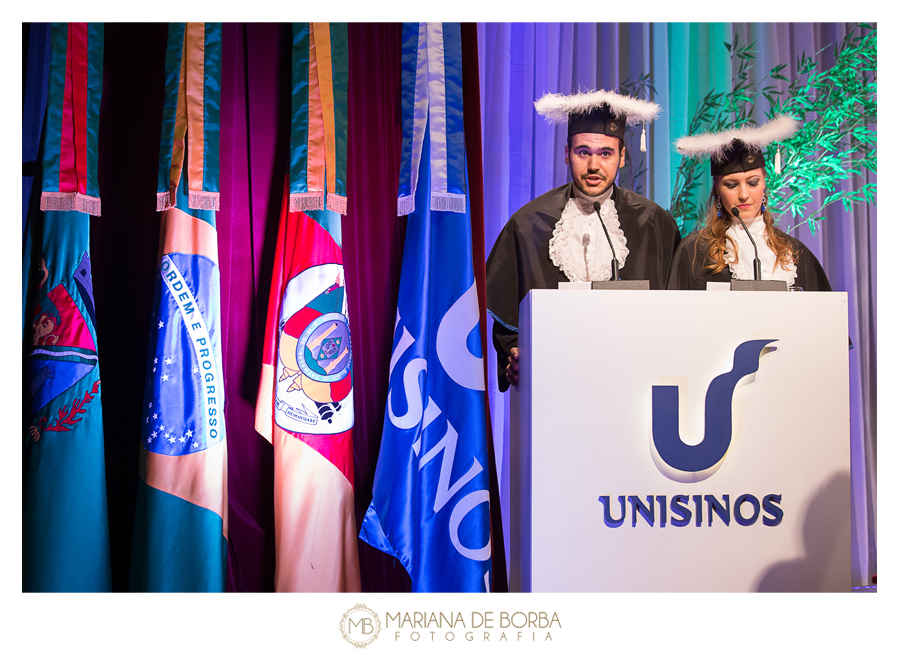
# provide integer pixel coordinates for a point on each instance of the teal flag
(65, 535)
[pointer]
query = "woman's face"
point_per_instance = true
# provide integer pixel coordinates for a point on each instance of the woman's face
(743, 191)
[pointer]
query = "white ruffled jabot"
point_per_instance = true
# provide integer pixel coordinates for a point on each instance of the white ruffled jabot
(567, 250)
(743, 269)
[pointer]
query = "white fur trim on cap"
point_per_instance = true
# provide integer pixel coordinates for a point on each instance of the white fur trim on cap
(556, 108)
(714, 144)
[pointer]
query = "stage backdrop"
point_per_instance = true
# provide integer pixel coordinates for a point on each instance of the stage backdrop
(523, 158)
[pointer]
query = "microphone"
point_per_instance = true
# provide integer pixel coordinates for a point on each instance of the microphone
(585, 241)
(614, 266)
(757, 267)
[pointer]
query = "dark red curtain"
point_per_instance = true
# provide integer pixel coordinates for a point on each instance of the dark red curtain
(373, 249)
(253, 160)
(472, 119)
(124, 244)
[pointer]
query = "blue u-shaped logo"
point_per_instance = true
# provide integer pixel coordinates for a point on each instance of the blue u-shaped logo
(717, 436)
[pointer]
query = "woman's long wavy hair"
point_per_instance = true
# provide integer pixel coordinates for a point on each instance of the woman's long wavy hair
(716, 241)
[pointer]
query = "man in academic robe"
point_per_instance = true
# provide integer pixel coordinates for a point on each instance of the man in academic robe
(559, 237)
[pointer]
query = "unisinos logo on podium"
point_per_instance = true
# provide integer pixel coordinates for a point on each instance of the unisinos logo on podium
(702, 460)
(683, 462)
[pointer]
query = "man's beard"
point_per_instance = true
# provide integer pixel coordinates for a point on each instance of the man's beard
(592, 192)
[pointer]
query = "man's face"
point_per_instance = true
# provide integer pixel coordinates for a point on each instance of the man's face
(594, 160)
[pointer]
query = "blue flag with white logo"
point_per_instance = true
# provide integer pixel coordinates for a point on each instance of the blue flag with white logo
(430, 505)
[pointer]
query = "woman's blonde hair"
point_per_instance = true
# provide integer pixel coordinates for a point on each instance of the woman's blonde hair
(717, 242)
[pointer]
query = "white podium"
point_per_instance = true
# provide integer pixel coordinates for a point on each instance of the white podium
(617, 486)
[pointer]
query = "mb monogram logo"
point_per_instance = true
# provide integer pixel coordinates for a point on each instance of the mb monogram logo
(360, 626)
(702, 457)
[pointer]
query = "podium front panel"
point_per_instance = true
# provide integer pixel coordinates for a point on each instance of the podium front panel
(604, 499)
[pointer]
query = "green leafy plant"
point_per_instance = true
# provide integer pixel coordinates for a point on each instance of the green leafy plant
(837, 110)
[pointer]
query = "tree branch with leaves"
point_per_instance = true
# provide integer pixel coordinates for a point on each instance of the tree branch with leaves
(836, 142)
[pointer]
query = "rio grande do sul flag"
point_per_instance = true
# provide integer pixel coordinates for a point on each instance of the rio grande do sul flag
(430, 502)
(305, 406)
(65, 535)
(181, 522)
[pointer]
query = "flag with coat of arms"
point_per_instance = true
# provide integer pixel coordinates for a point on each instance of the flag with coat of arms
(305, 401)
(305, 406)
(65, 533)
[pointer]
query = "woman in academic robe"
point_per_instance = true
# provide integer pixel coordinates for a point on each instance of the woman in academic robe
(722, 250)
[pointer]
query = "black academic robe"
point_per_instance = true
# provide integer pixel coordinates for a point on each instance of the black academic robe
(520, 259)
(688, 274)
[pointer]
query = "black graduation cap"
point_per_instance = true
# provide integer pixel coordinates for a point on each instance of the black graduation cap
(738, 149)
(601, 112)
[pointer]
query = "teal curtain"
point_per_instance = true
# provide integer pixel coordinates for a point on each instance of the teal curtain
(697, 62)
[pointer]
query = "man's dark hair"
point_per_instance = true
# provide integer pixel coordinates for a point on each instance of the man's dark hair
(621, 143)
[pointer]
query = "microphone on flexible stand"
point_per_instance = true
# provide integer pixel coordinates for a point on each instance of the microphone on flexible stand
(585, 241)
(757, 267)
(614, 266)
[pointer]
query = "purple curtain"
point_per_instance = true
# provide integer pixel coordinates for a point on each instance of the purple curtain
(253, 158)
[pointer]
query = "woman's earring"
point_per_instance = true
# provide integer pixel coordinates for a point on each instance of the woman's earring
(718, 207)
(762, 208)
